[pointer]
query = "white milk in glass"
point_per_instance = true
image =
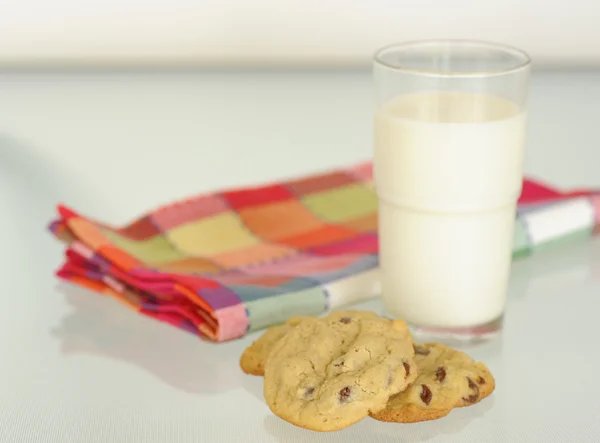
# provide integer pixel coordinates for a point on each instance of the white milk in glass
(448, 173)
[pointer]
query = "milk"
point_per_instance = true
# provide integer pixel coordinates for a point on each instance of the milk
(448, 173)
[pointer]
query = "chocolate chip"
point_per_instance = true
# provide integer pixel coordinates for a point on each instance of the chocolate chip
(337, 365)
(475, 396)
(390, 379)
(426, 394)
(481, 380)
(345, 394)
(440, 374)
(308, 392)
(471, 398)
(345, 320)
(406, 368)
(421, 350)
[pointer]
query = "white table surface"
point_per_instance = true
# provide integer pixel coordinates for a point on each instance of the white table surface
(77, 367)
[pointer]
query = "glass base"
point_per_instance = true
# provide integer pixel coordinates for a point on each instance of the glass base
(457, 336)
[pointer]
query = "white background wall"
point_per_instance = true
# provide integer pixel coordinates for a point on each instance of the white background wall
(283, 31)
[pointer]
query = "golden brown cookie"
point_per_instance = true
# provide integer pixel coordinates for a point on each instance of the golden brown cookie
(253, 359)
(327, 373)
(447, 379)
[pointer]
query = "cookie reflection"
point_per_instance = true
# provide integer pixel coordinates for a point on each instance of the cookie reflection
(464, 421)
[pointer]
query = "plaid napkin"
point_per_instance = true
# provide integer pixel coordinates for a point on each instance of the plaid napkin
(222, 264)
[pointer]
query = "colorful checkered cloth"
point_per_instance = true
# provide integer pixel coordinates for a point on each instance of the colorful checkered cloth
(222, 264)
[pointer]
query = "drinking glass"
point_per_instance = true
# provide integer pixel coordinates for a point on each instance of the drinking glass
(449, 140)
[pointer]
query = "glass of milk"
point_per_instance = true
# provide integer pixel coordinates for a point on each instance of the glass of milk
(449, 138)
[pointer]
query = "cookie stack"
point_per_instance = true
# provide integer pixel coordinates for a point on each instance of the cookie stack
(327, 373)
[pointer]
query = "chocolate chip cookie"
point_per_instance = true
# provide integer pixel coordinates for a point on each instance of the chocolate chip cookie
(447, 379)
(253, 359)
(327, 373)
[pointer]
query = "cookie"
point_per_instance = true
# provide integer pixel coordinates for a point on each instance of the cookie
(447, 379)
(327, 373)
(253, 359)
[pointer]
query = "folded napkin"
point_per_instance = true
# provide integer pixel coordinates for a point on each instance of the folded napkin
(222, 264)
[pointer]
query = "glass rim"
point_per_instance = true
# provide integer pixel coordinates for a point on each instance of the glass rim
(522, 59)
